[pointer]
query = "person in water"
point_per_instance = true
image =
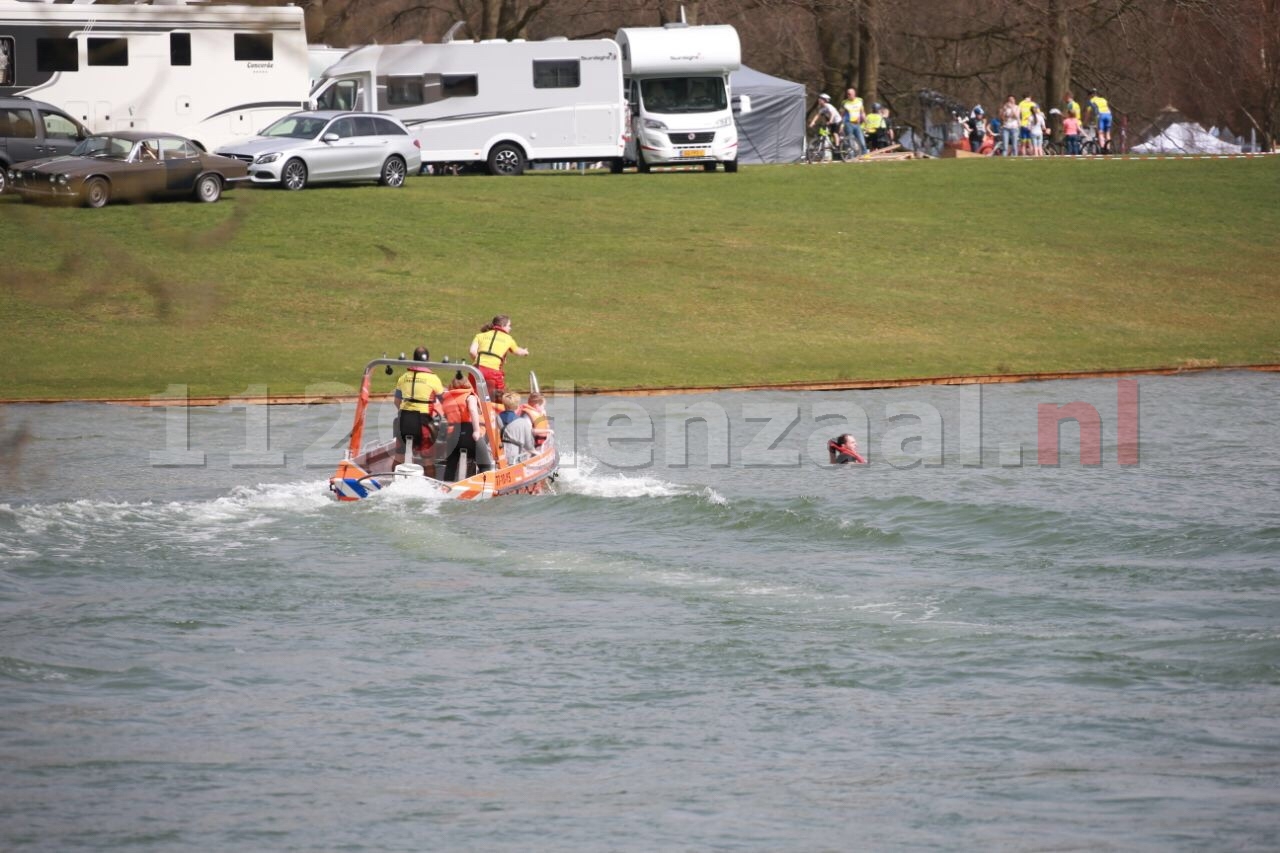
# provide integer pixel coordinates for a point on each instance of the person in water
(489, 350)
(843, 449)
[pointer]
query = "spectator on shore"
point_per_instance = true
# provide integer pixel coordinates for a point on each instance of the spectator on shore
(1037, 127)
(1010, 123)
(977, 129)
(1071, 133)
(886, 126)
(854, 113)
(1024, 125)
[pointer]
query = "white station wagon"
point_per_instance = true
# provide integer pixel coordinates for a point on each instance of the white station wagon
(314, 147)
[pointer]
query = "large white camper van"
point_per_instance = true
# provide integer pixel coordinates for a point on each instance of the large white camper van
(677, 83)
(501, 103)
(208, 72)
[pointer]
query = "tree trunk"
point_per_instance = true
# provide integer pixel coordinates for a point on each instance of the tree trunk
(869, 53)
(1057, 68)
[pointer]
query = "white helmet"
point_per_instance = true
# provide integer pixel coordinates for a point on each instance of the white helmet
(824, 97)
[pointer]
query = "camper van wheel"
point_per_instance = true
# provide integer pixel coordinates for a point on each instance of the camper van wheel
(208, 188)
(393, 172)
(731, 165)
(294, 175)
(641, 166)
(708, 167)
(97, 192)
(616, 165)
(506, 159)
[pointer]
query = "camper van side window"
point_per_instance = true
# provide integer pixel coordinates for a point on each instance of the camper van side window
(57, 55)
(113, 51)
(253, 47)
(403, 91)
(179, 48)
(460, 85)
(556, 74)
(7, 61)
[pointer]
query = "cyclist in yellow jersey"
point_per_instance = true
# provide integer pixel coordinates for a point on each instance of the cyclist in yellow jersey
(1102, 114)
(416, 391)
(490, 348)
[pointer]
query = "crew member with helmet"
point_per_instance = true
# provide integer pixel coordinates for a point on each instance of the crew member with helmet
(829, 116)
(1102, 115)
(489, 351)
(417, 390)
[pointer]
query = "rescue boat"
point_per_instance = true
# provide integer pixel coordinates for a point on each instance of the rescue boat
(366, 470)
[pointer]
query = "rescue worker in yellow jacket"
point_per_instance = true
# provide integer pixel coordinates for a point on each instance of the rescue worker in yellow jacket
(489, 350)
(417, 389)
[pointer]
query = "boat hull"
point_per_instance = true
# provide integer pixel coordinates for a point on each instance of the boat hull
(355, 478)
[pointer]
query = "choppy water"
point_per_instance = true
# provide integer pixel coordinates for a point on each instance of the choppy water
(729, 648)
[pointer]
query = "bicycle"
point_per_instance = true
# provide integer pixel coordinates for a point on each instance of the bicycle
(818, 148)
(1088, 144)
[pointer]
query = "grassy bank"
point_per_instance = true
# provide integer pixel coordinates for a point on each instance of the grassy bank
(781, 273)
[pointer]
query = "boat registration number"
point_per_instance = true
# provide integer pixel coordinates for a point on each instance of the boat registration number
(693, 152)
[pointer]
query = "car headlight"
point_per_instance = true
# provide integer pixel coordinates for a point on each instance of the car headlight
(64, 179)
(724, 122)
(266, 158)
(654, 124)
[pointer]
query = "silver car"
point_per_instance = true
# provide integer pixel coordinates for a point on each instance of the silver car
(314, 147)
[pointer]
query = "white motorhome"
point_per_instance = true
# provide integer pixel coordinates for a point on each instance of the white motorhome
(501, 103)
(208, 72)
(677, 84)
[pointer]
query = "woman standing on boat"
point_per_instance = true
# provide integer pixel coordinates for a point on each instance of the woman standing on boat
(461, 409)
(490, 349)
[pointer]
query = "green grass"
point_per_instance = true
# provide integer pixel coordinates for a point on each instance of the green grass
(783, 273)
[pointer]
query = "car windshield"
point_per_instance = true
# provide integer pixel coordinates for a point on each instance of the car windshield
(684, 95)
(112, 147)
(296, 127)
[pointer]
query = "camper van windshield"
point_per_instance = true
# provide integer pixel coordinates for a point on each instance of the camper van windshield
(296, 127)
(684, 95)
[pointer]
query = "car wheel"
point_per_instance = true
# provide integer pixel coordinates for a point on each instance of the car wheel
(731, 165)
(209, 188)
(506, 159)
(616, 166)
(393, 172)
(641, 166)
(708, 167)
(294, 175)
(97, 192)
(4, 176)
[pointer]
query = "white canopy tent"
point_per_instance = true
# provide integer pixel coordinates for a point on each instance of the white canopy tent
(1174, 133)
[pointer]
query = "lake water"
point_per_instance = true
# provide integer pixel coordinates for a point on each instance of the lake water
(705, 639)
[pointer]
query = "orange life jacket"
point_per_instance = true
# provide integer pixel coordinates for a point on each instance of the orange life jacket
(454, 405)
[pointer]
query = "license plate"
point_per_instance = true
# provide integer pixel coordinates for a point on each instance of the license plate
(693, 152)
